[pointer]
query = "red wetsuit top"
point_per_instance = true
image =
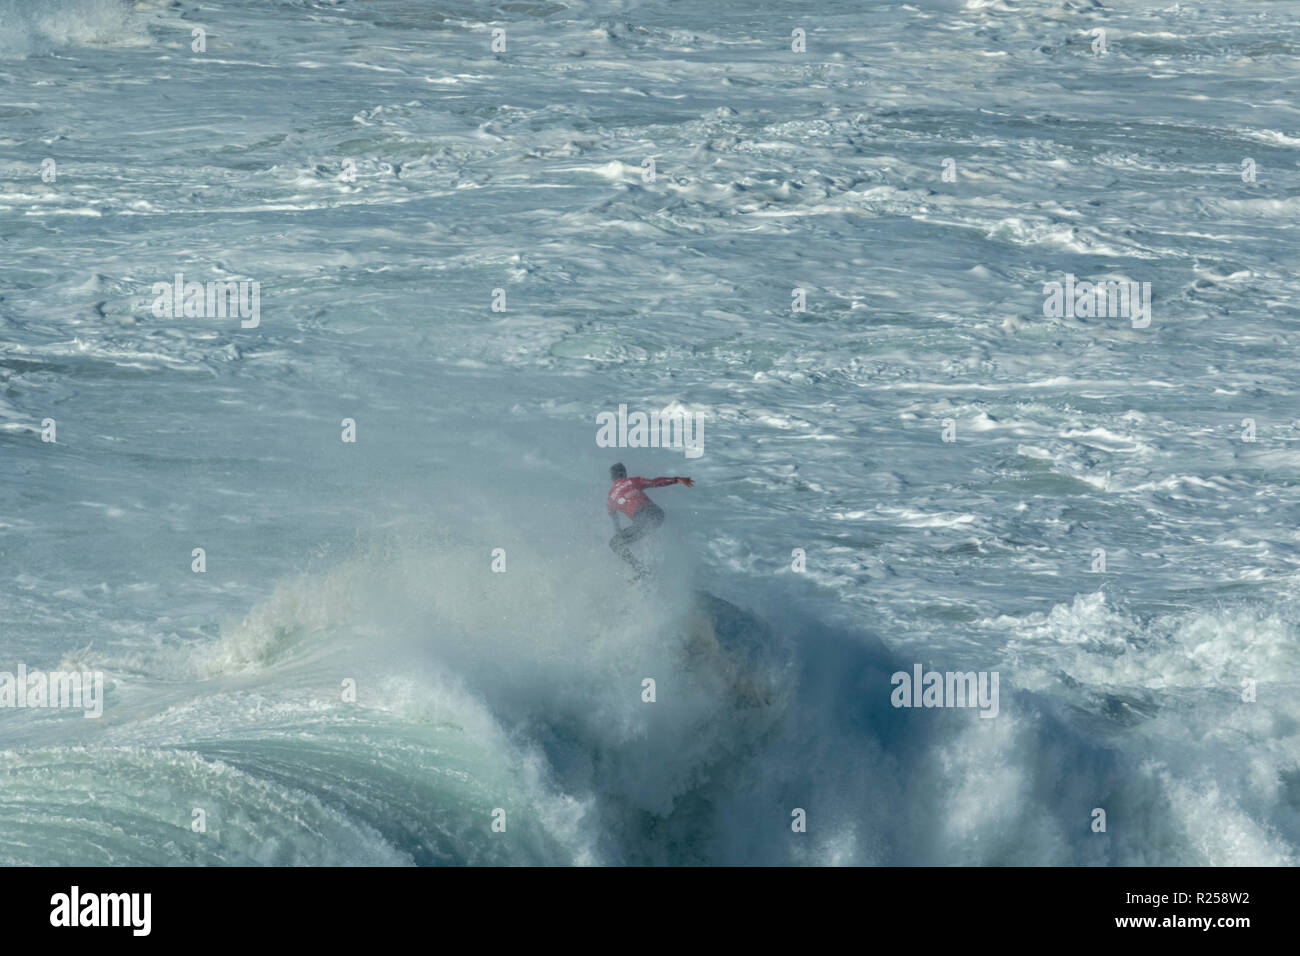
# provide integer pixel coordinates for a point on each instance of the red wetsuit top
(626, 495)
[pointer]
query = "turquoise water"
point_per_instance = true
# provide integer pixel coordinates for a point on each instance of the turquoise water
(379, 170)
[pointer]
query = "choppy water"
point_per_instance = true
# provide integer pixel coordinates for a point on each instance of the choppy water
(774, 170)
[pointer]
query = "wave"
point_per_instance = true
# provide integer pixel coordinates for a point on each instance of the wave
(524, 692)
(33, 27)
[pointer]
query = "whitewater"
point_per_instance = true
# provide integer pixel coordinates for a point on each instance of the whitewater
(827, 229)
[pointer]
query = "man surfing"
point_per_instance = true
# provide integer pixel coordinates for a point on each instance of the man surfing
(626, 496)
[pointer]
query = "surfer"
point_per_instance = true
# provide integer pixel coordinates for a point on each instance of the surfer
(626, 497)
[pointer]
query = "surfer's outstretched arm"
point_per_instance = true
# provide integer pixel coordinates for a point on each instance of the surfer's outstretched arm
(661, 482)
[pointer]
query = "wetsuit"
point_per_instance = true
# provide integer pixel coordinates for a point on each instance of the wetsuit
(626, 496)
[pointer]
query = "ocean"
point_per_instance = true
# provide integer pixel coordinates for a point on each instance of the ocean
(334, 541)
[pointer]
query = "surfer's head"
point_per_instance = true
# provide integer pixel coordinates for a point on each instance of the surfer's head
(617, 472)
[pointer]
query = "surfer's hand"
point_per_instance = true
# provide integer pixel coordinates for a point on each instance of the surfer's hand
(687, 482)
